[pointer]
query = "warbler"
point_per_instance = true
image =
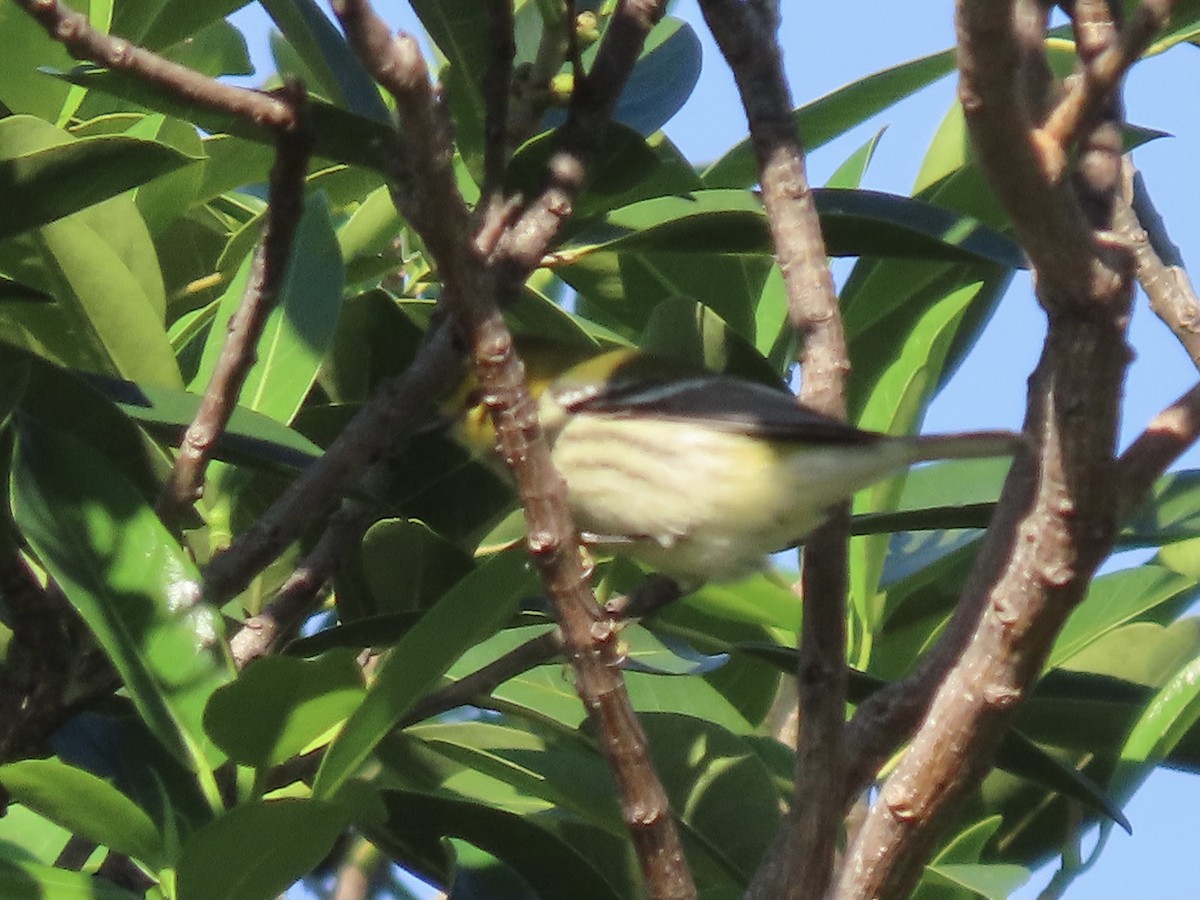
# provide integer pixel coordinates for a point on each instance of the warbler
(699, 475)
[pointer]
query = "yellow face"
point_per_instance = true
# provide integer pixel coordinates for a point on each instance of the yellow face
(544, 363)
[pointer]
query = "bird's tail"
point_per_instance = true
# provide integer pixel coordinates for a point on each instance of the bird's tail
(968, 445)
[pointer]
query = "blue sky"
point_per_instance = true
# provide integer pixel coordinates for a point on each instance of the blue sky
(828, 45)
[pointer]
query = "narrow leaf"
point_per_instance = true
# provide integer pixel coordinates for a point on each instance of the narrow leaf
(471, 611)
(128, 578)
(85, 805)
(827, 117)
(45, 174)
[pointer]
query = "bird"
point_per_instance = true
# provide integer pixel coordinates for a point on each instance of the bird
(700, 475)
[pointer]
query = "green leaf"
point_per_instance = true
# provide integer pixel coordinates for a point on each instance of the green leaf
(21, 879)
(1142, 652)
(45, 174)
(1113, 600)
(518, 767)
(65, 402)
(25, 835)
(854, 223)
(280, 704)
(1022, 757)
(836, 113)
(340, 135)
(407, 566)
(662, 79)
(622, 290)
(850, 173)
(85, 805)
(233, 162)
(257, 850)
(644, 651)
(538, 847)
(1172, 712)
(100, 266)
(995, 881)
(1085, 713)
(1171, 512)
(719, 789)
(131, 582)
(897, 401)
(169, 196)
(217, 49)
(693, 334)
(467, 614)
(299, 332)
(158, 24)
(249, 437)
(327, 56)
(479, 874)
(27, 46)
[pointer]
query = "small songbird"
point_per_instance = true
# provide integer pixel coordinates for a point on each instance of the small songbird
(702, 476)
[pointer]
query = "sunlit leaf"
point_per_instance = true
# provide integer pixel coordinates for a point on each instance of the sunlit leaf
(133, 585)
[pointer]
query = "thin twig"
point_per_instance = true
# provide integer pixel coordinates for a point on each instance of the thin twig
(497, 88)
(82, 41)
(479, 684)
(293, 148)
(379, 429)
(1167, 436)
(277, 622)
(746, 34)
(592, 102)
(263, 633)
(1101, 75)
(1159, 265)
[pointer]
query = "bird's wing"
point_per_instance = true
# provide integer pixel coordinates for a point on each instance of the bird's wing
(638, 387)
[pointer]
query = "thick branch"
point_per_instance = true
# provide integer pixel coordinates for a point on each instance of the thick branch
(425, 192)
(996, 41)
(745, 32)
(1057, 516)
(293, 147)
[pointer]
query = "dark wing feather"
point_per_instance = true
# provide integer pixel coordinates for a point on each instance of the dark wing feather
(652, 388)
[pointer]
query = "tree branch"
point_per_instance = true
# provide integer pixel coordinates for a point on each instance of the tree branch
(802, 865)
(425, 192)
(1167, 436)
(497, 88)
(482, 682)
(381, 428)
(592, 102)
(82, 41)
(1101, 75)
(293, 148)
(1056, 519)
(1159, 265)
